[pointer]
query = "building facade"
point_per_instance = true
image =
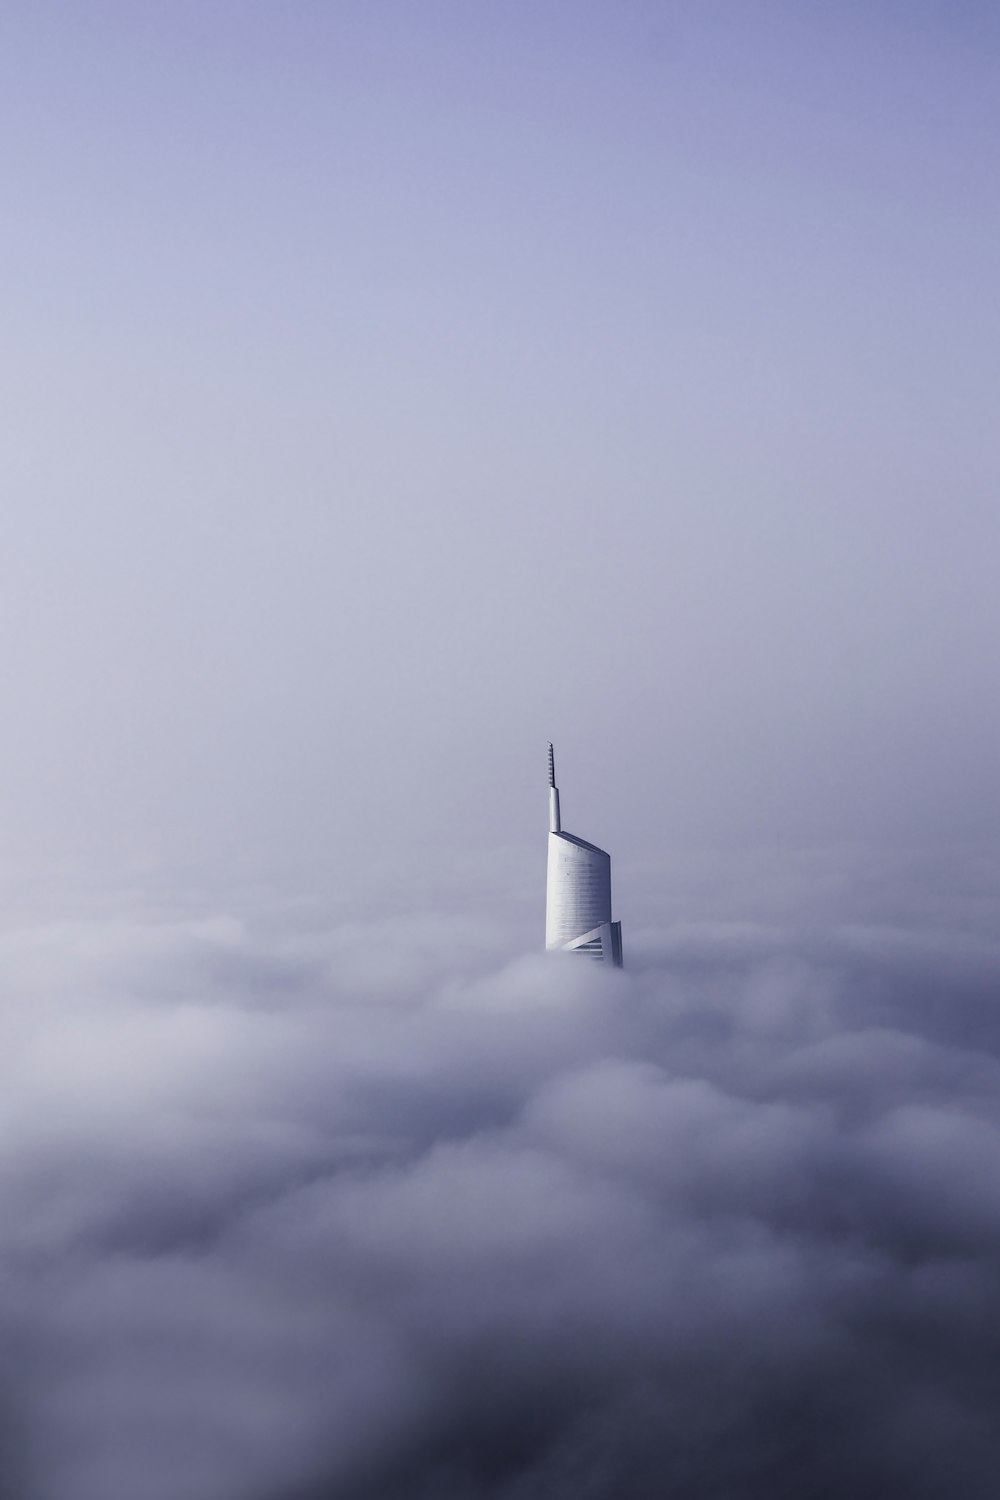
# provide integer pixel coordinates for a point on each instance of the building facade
(578, 891)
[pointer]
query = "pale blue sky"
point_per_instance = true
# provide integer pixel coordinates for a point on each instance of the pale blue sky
(389, 388)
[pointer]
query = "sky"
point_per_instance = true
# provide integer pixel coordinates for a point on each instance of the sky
(390, 389)
(393, 388)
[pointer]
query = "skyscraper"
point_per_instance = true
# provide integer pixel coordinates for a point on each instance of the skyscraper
(578, 891)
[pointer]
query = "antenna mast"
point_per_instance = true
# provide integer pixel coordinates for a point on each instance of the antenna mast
(555, 826)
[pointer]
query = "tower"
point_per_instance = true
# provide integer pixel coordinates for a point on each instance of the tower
(578, 891)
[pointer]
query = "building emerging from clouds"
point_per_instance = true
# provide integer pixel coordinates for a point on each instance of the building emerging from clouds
(578, 891)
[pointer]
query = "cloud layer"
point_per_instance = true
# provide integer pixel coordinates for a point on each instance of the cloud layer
(379, 1212)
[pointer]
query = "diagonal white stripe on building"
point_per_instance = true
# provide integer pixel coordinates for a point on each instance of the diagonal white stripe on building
(578, 891)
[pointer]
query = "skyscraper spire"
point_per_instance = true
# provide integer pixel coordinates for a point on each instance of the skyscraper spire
(554, 823)
(578, 891)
